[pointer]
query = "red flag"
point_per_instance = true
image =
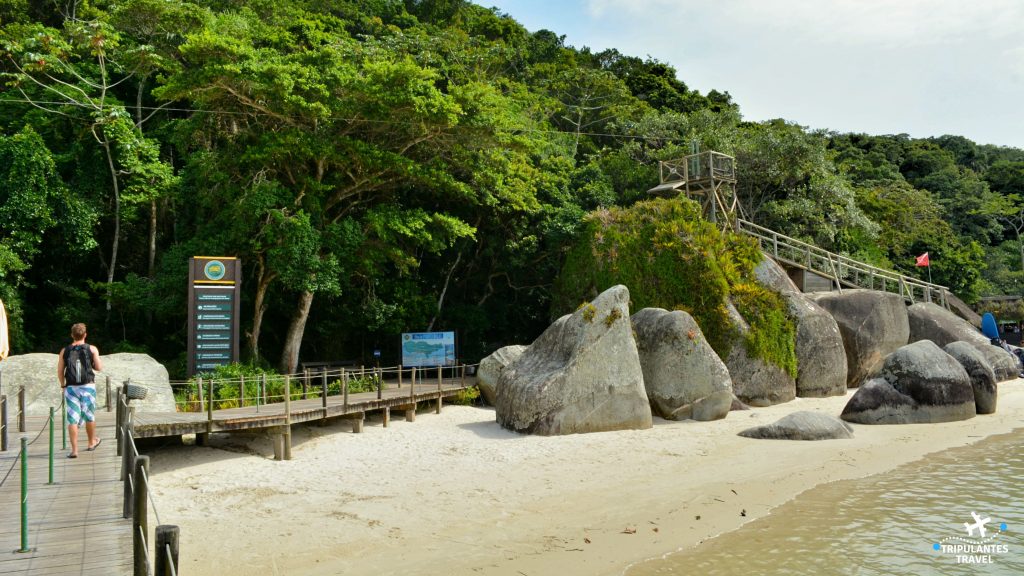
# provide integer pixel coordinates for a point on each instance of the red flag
(922, 260)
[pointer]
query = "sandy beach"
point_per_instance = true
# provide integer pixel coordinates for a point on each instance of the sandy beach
(456, 494)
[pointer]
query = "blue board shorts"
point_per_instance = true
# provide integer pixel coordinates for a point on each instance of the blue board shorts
(81, 404)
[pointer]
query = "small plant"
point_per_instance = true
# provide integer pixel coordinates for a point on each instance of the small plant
(589, 312)
(467, 397)
(612, 317)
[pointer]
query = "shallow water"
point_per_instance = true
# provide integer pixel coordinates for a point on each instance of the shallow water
(885, 524)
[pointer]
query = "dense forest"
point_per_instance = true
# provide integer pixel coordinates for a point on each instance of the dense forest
(383, 166)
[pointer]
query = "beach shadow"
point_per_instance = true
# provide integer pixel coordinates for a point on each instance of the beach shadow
(491, 430)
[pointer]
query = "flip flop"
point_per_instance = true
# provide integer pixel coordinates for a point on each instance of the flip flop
(94, 446)
(72, 455)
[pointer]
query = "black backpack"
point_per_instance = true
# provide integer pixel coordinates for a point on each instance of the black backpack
(78, 365)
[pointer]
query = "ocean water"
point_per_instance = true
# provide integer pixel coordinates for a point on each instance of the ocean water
(908, 521)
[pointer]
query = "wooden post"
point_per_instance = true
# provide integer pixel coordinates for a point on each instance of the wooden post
(399, 375)
(119, 422)
(109, 404)
(379, 377)
(241, 391)
(263, 382)
(323, 390)
(438, 390)
(412, 387)
(305, 382)
(202, 402)
(127, 465)
(278, 440)
(463, 374)
(287, 417)
(140, 516)
(3, 423)
(344, 388)
(209, 409)
(166, 551)
(21, 409)
(387, 416)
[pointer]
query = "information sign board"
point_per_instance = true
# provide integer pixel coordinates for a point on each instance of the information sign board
(428, 349)
(213, 296)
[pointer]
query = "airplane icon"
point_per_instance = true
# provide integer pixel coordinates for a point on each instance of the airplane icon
(978, 523)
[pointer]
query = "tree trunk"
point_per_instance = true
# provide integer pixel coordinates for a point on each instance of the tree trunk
(262, 285)
(293, 341)
(117, 224)
(152, 239)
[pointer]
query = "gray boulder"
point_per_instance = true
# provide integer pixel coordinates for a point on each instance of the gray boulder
(820, 356)
(581, 375)
(754, 381)
(683, 376)
(873, 324)
(490, 369)
(802, 425)
(768, 273)
(821, 359)
(983, 380)
(919, 383)
(932, 322)
(38, 374)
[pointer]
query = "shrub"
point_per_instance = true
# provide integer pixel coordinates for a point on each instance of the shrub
(670, 257)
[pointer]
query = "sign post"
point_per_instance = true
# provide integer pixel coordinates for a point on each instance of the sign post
(214, 286)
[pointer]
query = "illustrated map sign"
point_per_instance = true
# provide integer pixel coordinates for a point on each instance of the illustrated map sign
(428, 349)
(213, 295)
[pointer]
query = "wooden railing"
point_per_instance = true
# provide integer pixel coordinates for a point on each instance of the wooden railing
(137, 500)
(842, 269)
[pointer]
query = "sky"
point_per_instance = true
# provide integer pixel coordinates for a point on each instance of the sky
(919, 67)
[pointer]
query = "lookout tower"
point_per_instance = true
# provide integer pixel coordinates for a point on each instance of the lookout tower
(707, 177)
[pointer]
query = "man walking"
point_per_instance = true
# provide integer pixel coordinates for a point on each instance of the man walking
(76, 368)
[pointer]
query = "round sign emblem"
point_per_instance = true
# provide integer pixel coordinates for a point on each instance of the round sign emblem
(214, 270)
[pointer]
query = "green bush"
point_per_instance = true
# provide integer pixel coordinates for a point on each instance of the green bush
(670, 257)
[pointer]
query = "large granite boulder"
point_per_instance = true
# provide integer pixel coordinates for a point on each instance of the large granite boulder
(821, 360)
(683, 376)
(144, 371)
(769, 274)
(873, 324)
(932, 322)
(38, 374)
(802, 425)
(919, 383)
(581, 375)
(983, 380)
(490, 369)
(820, 355)
(754, 381)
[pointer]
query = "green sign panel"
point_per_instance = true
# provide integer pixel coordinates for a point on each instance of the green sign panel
(214, 307)
(213, 346)
(215, 326)
(214, 317)
(214, 297)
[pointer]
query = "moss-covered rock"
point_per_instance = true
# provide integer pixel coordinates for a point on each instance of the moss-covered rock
(670, 257)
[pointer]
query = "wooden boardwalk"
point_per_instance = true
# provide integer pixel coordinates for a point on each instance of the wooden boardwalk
(268, 416)
(75, 526)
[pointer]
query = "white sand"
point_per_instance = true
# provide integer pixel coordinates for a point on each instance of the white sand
(456, 494)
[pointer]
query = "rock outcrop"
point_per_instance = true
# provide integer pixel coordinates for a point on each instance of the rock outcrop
(683, 376)
(490, 369)
(821, 359)
(802, 425)
(754, 381)
(581, 375)
(820, 355)
(873, 325)
(932, 322)
(919, 383)
(983, 380)
(38, 374)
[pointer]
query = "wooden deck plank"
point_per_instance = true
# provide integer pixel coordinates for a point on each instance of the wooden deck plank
(75, 525)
